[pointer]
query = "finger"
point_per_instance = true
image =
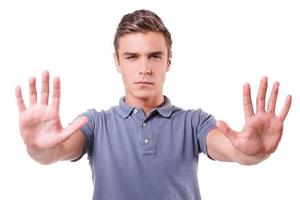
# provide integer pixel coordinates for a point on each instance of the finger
(287, 105)
(32, 91)
(248, 107)
(227, 131)
(261, 96)
(273, 98)
(56, 93)
(73, 127)
(20, 101)
(45, 88)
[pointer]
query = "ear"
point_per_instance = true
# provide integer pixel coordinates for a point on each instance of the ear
(117, 62)
(169, 61)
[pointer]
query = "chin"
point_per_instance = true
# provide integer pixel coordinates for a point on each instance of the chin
(144, 94)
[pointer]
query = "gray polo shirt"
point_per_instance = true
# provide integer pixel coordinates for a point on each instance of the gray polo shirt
(134, 157)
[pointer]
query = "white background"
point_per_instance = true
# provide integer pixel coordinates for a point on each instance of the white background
(218, 46)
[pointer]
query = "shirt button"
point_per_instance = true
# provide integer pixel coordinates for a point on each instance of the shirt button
(144, 124)
(135, 111)
(146, 141)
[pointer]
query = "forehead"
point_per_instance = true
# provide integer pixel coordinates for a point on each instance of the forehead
(142, 42)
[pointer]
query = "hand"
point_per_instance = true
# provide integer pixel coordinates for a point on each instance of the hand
(263, 129)
(40, 124)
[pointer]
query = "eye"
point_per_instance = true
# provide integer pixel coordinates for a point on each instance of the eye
(131, 57)
(155, 56)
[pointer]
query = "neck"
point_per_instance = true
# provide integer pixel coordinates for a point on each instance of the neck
(146, 104)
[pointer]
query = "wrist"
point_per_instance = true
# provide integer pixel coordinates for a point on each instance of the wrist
(45, 157)
(244, 159)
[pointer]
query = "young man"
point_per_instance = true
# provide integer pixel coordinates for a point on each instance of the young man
(146, 148)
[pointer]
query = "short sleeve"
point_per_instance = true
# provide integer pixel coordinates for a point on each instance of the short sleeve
(88, 131)
(203, 124)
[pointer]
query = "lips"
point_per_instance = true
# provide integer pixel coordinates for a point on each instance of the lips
(144, 82)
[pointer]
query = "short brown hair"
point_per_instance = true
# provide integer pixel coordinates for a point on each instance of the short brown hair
(141, 21)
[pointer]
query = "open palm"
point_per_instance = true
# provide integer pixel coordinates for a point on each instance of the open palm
(40, 124)
(263, 129)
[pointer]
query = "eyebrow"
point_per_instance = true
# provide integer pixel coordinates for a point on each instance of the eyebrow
(130, 54)
(156, 53)
(135, 54)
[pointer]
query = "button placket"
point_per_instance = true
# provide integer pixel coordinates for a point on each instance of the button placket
(147, 134)
(146, 138)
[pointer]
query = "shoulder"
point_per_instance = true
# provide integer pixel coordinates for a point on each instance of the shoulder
(101, 114)
(188, 112)
(194, 116)
(93, 113)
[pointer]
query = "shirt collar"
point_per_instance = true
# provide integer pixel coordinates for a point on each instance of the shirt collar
(164, 110)
(124, 109)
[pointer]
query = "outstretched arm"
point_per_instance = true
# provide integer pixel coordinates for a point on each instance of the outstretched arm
(261, 133)
(40, 126)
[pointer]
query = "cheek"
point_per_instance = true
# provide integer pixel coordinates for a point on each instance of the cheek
(128, 76)
(129, 68)
(161, 76)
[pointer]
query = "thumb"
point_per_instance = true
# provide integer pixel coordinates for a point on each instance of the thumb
(73, 127)
(227, 131)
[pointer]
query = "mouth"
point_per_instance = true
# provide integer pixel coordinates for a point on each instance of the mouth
(144, 83)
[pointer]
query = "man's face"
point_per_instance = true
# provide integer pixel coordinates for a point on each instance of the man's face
(143, 61)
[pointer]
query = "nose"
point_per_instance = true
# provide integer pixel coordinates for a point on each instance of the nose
(145, 68)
